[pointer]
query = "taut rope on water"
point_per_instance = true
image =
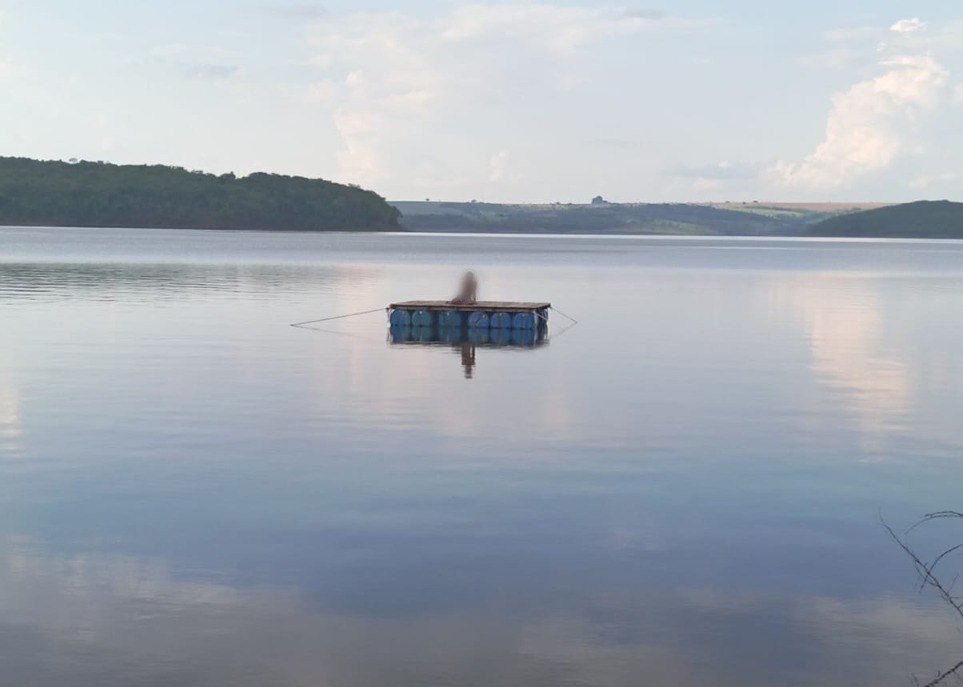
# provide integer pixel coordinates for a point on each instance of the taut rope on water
(572, 321)
(569, 317)
(339, 317)
(552, 307)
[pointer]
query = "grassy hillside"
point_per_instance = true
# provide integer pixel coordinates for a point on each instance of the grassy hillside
(87, 194)
(604, 218)
(939, 219)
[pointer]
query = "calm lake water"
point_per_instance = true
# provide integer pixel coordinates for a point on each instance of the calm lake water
(684, 489)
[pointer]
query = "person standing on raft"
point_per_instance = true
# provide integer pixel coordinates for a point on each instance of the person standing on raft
(469, 290)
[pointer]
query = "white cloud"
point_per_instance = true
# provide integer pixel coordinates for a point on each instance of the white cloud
(498, 166)
(860, 46)
(297, 10)
(926, 181)
(399, 76)
(389, 82)
(907, 25)
(866, 128)
(554, 27)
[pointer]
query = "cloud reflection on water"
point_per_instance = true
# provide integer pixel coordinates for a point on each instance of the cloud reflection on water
(101, 619)
(11, 415)
(865, 371)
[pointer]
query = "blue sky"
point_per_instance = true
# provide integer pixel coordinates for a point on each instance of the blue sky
(515, 101)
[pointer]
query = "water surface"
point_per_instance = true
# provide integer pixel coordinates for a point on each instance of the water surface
(684, 489)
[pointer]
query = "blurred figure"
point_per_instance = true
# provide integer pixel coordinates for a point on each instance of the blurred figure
(469, 290)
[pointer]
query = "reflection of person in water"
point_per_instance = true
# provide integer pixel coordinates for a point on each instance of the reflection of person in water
(468, 359)
(468, 293)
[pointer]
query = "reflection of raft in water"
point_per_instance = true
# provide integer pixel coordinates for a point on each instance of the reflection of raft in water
(491, 316)
(451, 336)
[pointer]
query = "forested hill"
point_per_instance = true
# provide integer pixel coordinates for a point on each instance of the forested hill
(96, 194)
(932, 219)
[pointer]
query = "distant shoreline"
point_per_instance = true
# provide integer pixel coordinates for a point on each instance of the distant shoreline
(735, 238)
(602, 217)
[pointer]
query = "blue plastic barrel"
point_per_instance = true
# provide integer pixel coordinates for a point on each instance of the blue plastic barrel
(500, 337)
(399, 333)
(478, 320)
(451, 319)
(451, 335)
(478, 337)
(523, 337)
(422, 334)
(422, 318)
(399, 318)
(524, 320)
(501, 320)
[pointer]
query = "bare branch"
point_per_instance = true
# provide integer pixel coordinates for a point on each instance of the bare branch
(938, 515)
(940, 557)
(945, 674)
(926, 573)
(928, 578)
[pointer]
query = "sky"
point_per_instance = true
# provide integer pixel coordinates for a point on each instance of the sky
(503, 102)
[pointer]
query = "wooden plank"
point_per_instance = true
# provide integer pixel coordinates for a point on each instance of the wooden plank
(486, 306)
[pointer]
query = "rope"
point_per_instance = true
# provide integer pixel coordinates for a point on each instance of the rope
(563, 329)
(574, 321)
(374, 310)
(335, 332)
(338, 317)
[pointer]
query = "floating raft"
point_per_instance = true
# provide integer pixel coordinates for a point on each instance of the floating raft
(499, 315)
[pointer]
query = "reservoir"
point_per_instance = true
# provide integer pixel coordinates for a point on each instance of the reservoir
(686, 488)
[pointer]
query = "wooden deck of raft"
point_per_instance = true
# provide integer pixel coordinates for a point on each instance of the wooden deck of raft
(483, 306)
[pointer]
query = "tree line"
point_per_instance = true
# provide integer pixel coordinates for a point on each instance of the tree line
(98, 194)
